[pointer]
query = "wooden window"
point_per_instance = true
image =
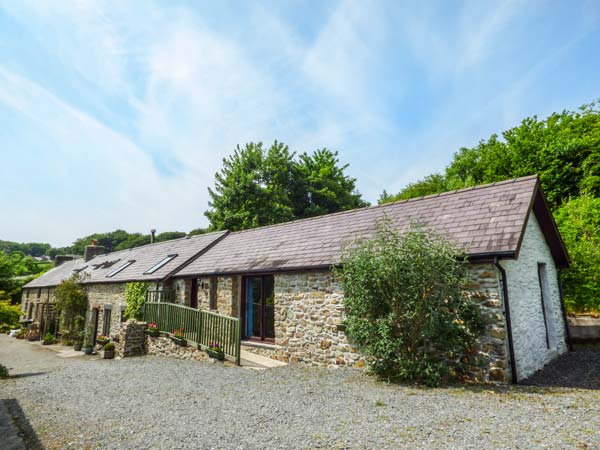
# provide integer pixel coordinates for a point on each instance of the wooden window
(213, 293)
(106, 320)
(27, 293)
(39, 292)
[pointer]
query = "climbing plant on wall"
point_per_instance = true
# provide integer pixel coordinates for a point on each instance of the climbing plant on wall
(135, 296)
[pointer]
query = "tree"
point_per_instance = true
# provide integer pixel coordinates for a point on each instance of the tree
(258, 186)
(405, 305)
(322, 186)
(135, 296)
(579, 223)
(431, 184)
(71, 301)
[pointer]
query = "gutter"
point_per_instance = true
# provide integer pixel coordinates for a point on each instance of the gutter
(511, 349)
(564, 312)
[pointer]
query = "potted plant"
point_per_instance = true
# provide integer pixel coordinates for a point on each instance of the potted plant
(78, 342)
(152, 330)
(178, 337)
(49, 339)
(108, 351)
(88, 348)
(215, 350)
(102, 340)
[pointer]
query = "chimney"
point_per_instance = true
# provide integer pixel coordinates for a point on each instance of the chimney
(61, 259)
(152, 235)
(91, 251)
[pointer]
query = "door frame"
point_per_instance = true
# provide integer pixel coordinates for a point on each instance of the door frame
(95, 317)
(244, 299)
(194, 293)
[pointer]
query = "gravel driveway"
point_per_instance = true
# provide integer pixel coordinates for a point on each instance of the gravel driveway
(143, 403)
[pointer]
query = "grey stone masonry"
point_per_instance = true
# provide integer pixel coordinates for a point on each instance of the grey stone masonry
(164, 346)
(132, 339)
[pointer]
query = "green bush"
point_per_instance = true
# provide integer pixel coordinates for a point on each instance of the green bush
(3, 372)
(9, 314)
(135, 296)
(406, 307)
(108, 347)
(579, 223)
(71, 301)
(49, 339)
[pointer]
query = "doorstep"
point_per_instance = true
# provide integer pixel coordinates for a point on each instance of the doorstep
(252, 359)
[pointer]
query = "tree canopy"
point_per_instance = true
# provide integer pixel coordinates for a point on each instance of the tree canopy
(262, 186)
(564, 150)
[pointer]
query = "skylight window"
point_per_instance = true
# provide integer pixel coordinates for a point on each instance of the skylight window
(161, 263)
(120, 268)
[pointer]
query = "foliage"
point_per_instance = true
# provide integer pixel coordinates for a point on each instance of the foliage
(109, 347)
(579, 223)
(49, 339)
(564, 150)
(9, 314)
(259, 186)
(71, 301)
(405, 305)
(3, 372)
(16, 269)
(135, 296)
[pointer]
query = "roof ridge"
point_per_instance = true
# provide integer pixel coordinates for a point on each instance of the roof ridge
(385, 205)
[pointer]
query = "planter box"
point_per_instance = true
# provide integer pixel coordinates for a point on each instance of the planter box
(179, 341)
(77, 347)
(88, 350)
(108, 354)
(215, 354)
(153, 333)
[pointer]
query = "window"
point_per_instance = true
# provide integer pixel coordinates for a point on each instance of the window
(30, 312)
(161, 263)
(27, 293)
(120, 268)
(106, 320)
(123, 307)
(213, 293)
(39, 292)
(547, 312)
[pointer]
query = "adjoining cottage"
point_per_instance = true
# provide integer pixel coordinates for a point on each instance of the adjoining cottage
(277, 278)
(105, 276)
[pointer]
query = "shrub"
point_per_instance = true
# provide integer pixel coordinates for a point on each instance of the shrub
(9, 315)
(71, 301)
(406, 307)
(579, 223)
(3, 372)
(135, 296)
(49, 339)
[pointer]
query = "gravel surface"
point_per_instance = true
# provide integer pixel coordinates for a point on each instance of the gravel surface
(159, 403)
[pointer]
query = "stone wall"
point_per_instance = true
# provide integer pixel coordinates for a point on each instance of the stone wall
(164, 346)
(35, 297)
(527, 316)
(227, 293)
(132, 339)
(107, 296)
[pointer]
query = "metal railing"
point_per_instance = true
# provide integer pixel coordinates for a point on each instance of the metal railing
(201, 327)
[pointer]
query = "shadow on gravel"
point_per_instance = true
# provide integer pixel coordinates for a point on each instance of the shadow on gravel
(16, 431)
(26, 375)
(579, 370)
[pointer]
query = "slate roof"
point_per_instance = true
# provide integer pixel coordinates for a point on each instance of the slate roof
(97, 269)
(488, 219)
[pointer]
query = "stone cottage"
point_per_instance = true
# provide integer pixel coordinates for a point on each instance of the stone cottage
(106, 275)
(278, 278)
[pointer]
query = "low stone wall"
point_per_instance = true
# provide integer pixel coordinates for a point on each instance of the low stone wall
(164, 346)
(584, 331)
(132, 339)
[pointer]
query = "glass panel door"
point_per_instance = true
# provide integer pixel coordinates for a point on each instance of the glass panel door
(259, 314)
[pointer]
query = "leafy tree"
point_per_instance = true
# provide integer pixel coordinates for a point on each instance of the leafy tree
(9, 313)
(197, 231)
(322, 187)
(259, 186)
(252, 188)
(169, 235)
(579, 223)
(405, 305)
(431, 184)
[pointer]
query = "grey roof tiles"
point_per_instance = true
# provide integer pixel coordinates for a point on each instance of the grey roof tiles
(483, 219)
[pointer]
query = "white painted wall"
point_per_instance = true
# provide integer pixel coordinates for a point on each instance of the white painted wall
(528, 329)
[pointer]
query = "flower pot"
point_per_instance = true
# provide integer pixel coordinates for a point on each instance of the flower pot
(179, 341)
(108, 354)
(77, 346)
(88, 350)
(153, 333)
(217, 354)
(102, 342)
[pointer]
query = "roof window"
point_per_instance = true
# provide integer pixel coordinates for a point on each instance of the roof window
(161, 263)
(120, 268)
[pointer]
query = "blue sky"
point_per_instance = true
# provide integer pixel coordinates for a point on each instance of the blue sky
(118, 114)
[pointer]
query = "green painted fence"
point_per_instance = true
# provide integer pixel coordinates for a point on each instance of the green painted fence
(201, 327)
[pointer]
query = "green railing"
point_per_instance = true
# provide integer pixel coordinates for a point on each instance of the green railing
(160, 295)
(201, 327)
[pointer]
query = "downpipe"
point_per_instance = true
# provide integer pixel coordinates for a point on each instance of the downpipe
(511, 349)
